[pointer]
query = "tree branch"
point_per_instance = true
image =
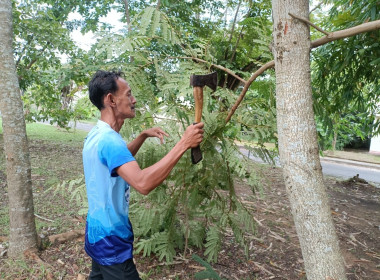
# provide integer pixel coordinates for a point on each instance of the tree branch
(263, 68)
(21, 55)
(202, 61)
(309, 23)
(333, 36)
(218, 67)
(237, 44)
(36, 59)
(316, 7)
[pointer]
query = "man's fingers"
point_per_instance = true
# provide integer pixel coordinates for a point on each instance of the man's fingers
(161, 138)
(199, 125)
(164, 133)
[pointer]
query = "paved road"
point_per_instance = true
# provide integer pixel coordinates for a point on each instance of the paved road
(82, 126)
(344, 169)
(349, 169)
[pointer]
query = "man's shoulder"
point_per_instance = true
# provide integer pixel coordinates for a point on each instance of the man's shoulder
(109, 136)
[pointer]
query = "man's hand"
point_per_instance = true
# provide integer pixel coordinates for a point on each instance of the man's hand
(135, 145)
(144, 181)
(155, 132)
(193, 135)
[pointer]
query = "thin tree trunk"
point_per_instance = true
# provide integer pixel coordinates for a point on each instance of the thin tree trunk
(128, 18)
(298, 143)
(236, 45)
(225, 18)
(232, 30)
(334, 141)
(23, 234)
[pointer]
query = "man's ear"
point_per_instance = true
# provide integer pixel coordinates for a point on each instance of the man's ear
(109, 100)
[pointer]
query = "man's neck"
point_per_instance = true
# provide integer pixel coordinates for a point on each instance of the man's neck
(109, 117)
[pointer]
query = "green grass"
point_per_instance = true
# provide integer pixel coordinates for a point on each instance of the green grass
(39, 131)
(362, 156)
(51, 133)
(55, 156)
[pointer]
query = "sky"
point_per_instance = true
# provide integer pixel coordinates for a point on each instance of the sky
(87, 40)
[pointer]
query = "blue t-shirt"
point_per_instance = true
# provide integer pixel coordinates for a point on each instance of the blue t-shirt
(109, 234)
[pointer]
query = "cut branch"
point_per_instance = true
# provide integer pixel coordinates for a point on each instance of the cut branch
(333, 36)
(309, 23)
(43, 218)
(263, 68)
(66, 236)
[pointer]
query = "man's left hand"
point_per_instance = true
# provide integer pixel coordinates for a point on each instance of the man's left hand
(156, 132)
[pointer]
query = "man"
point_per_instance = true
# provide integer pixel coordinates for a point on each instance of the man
(110, 168)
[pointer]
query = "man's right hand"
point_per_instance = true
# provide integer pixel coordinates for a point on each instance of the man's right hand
(193, 135)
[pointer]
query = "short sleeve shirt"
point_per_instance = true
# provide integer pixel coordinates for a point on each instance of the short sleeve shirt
(109, 234)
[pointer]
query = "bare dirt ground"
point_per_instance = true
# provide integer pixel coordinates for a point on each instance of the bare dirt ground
(274, 249)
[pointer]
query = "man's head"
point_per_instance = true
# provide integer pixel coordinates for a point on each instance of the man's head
(102, 83)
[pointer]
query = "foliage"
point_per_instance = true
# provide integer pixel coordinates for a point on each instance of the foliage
(345, 79)
(50, 67)
(203, 205)
(84, 109)
(208, 273)
(75, 190)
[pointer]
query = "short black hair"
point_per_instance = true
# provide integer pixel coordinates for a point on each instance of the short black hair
(102, 83)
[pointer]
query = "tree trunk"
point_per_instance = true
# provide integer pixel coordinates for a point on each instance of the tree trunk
(23, 234)
(128, 18)
(232, 31)
(298, 143)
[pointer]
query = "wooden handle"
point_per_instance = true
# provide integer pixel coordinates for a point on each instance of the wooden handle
(198, 97)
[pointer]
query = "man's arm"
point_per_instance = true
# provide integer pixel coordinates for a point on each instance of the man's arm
(136, 144)
(146, 180)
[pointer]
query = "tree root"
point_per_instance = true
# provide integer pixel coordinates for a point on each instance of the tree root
(32, 254)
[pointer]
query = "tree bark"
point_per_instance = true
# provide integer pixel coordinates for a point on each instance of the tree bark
(23, 235)
(298, 146)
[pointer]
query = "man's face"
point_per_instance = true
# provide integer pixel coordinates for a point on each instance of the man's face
(125, 101)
